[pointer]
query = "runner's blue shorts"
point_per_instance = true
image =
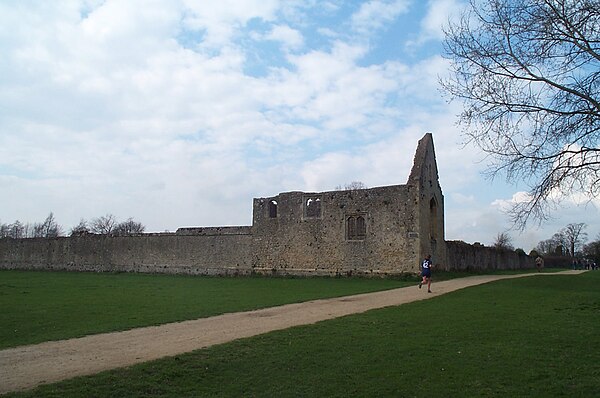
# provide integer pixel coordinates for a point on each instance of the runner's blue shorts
(426, 272)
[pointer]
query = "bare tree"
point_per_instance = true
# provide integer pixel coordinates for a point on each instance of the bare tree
(4, 230)
(528, 74)
(16, 230)
(353, 186)
(80, 229)
(129, 227)
(48, 229)
(560, 244)
(545, 247)
(575, 236)
(37, 231)
(103, 225)
(592, 250)
(503, 241)
(28, 230)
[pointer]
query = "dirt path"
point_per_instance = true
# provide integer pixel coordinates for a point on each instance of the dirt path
(29, 366)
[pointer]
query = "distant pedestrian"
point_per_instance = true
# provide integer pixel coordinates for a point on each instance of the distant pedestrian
(539, 263)
(426, 273)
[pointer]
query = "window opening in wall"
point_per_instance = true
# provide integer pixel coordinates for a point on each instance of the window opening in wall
(273, 209)
(433, 219)
(350, 228)
(356, 227)
(312, 207)
(361, 227)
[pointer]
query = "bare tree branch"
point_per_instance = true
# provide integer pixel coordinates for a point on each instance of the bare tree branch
(528, 75)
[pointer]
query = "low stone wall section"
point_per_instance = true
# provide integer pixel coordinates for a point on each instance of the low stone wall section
(152, 253)
(462, 256)
(205, 254)
(207, 231)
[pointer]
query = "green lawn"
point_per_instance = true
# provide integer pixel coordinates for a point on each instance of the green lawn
(42, 306)
(535, 337)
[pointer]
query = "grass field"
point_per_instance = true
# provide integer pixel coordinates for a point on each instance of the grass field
(42, 306)
(536, 337)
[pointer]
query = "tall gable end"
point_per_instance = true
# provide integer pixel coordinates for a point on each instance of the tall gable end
(424, 173)
(429, 208)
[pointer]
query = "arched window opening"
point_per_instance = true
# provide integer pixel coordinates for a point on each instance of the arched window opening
(351, 227)
(273, 209)
(312, 208)
(433, 219)
(361, 227)
(356, 227)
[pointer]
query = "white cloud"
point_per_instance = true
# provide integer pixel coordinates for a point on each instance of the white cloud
(291, 39)
(473, 220)
(374, 14)
(330, 89)
(517, 198)
(221, 20)
(438, 14)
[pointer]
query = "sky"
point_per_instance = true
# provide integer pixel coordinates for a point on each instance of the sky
(178, 113)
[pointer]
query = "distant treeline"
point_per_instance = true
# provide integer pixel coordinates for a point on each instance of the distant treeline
(105, 225)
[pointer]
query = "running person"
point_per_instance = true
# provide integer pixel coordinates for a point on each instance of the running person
(426, 273)
(539, 263)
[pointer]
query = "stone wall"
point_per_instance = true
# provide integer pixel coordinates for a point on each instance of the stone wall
(211, 231)
(299, 240)
(428, 204)
(310, 253)
(462, 256)
(155, 253)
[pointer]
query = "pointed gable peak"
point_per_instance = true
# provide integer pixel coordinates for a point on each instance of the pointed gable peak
(424, 165)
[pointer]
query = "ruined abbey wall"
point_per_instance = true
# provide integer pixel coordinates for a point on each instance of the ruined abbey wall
(351, 232)
(429, 205)
(153, 253)
(466, 257)
(377, 231)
